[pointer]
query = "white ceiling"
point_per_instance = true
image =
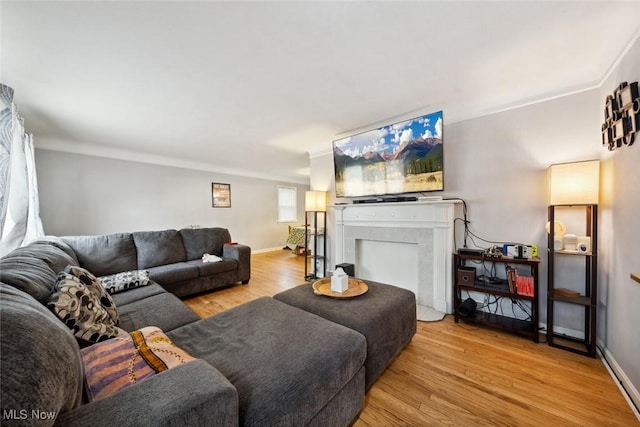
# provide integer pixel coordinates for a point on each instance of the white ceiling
(253, 87)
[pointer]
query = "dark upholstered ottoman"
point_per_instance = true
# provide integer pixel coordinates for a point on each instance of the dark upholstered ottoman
(385, 315)
(290, 367)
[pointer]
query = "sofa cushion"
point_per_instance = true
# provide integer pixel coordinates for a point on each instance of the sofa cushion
(52, 250)
(164, 310)
(200, 241)
(125, 281)
(33, 268)
(96, 288)
(213, 268)
(285, 363)
(193, 394)
(159, 248)
(123, 298)
(81, 311)
(40, 362)
(173, 273)
(106, 254)
(30, 275)
(129, 359)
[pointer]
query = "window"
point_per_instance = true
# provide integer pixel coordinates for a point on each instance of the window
(287, 204)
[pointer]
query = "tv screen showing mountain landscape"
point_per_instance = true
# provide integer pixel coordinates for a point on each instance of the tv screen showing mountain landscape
(404, 157)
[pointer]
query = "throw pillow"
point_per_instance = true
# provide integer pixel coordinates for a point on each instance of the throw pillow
(80, 309)
(128, 359)
(94, 285)
(126, 280)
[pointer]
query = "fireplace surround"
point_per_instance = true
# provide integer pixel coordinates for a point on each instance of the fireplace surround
(406, 244)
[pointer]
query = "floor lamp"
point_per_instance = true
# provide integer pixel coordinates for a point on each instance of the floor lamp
(314, 202)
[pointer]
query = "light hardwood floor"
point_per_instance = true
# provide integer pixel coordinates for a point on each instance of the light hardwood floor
(457, 374)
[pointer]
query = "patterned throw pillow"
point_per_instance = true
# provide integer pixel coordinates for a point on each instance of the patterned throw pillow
(94, 285)
(81, 310)
(114, 364)
(124, 281)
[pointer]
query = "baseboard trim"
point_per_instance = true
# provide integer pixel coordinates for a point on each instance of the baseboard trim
(260, 251)
(626, 387)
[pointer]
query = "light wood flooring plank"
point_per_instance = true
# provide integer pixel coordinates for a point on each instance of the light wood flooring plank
(458, 374)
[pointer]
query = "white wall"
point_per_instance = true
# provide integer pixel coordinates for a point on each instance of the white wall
(82, 194)
(498, 163)
(619, 295)
(322, 179)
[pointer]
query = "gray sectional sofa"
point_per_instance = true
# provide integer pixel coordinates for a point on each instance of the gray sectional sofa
(173, 258)
(263, 363)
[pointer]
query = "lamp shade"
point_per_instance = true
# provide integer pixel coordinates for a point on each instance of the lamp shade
(315, 201)
(574, 183)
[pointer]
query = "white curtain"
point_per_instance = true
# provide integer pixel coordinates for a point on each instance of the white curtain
(20, 220)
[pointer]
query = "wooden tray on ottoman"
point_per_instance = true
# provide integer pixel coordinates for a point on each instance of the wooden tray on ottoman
(323, 287)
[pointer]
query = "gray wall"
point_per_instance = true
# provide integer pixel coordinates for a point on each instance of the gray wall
(82, 194)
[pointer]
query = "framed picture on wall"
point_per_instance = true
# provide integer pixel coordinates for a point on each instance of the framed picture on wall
(221, 195)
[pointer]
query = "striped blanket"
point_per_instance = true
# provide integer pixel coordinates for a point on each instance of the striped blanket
(119, 362)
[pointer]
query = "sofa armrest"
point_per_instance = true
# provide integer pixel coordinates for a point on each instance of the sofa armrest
(242, 254)
(191, 394)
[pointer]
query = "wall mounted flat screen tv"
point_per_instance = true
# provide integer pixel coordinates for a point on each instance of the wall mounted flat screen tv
(404, 157)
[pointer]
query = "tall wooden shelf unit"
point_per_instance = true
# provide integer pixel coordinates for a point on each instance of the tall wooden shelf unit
(588, 291)
(311, 226)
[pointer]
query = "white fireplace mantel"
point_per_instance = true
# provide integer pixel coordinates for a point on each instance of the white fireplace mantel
(407, 244)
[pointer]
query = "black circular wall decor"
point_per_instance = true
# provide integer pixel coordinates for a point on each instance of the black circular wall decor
(621, 116)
